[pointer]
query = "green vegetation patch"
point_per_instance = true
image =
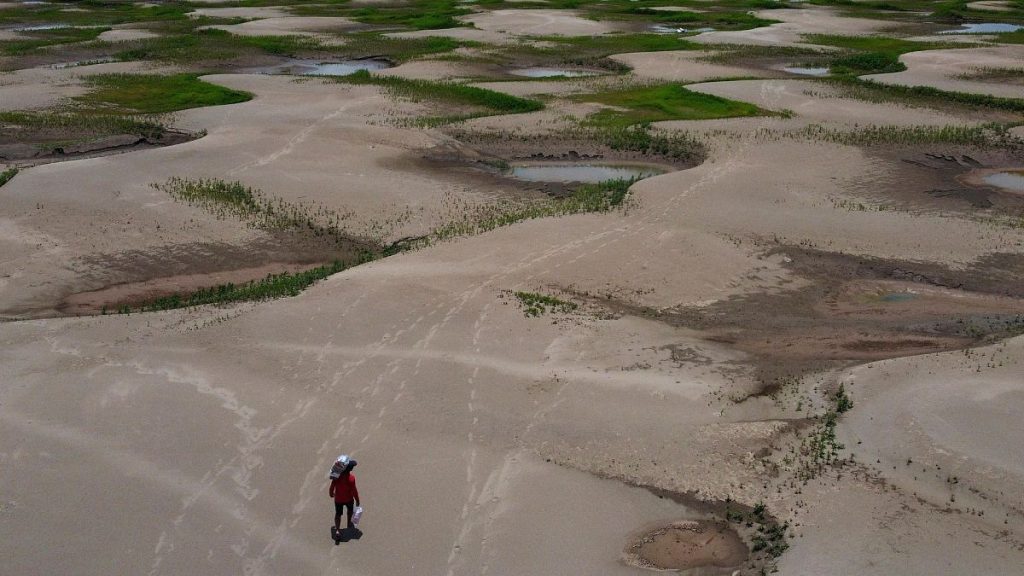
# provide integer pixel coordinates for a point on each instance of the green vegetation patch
(413, 14)
(211, 46)
(719, 20)
(600, 197)
(664, 102)
(534, 304)
(273, 286)
(91, 13)
(366, 45)
(157, 94)
(873, 91)
(1011, 37)
(7, 175)
(481, 101)
(872, 54)
(593, 51)
(38, 39)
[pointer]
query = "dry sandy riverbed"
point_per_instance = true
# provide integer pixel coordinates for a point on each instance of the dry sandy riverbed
(715, 314)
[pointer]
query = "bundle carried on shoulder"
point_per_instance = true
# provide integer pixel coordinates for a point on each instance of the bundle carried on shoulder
(340, 465)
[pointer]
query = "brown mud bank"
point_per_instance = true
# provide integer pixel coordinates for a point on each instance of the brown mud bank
(691, 547)
(486, 157)
(105, 283)
(950, 178)
(30, 152)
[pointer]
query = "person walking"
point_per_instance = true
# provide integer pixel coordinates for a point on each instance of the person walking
(344, 492)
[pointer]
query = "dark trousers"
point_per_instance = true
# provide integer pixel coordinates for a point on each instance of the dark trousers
(340, 507)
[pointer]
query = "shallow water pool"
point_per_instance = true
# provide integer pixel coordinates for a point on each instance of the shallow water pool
(298, 67)
(806, 71)
(1010, 180)
(663, 29)
(984, 28)
(550, 73)
(589, 173)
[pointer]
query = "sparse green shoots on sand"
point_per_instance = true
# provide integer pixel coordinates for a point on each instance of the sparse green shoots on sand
(256, 209)
(534, 304)
(872, 91)
(600, 197)
(273, 286)
(990, 135)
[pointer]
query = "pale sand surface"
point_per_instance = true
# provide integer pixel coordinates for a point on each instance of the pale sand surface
(991, 5)
(922, 422)
(244, 12)
(681, 66)
(538, 23)
(469, 34)
(793, 23)
(286, 141)
(198, 440)
(289, 26)
(126, 34)
(428, 70)
(940, 68)
(820, 104)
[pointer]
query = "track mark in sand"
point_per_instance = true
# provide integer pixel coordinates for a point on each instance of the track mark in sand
(132, 465)
(297, 139)
(241, 467)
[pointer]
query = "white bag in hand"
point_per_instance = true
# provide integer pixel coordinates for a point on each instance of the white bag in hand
(356, 515)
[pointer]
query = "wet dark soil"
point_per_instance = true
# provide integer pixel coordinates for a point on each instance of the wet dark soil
(485, 156)
(852, 309)
(42, 149)
(107, 281)
(934, 179)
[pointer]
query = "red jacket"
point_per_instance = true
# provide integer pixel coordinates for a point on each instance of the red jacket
(343, 489)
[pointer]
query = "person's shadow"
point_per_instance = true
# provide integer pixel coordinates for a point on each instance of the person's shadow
(348, 534)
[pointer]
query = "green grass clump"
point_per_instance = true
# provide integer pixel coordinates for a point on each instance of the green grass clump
(595, 50)
(1011, 37)
(664, 102)
(366, 45)
(873, 91)
(44, 38)
(211, 46)
(7, 175)
(273, 286)
(534, 304)
(92, 13)
(719, 20)
(481, 101)
(641, 138)
(867, 63)
(156, 94)
(871, 54)
(414, 14)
